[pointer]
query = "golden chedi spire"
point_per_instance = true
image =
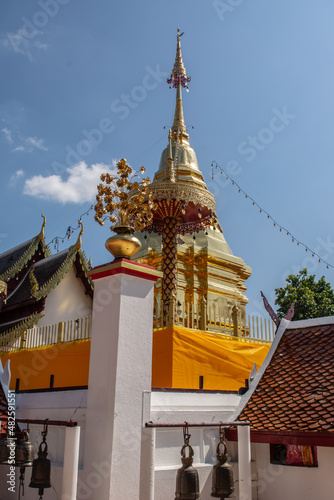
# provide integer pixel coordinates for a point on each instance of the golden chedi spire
(186, 167)
(195, 259)
(179, 79)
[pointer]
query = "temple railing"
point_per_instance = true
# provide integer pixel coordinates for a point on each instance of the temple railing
(200, 317)
(255, 330)
(38, 336)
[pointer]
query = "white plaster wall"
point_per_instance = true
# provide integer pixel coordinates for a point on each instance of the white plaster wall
(270, 482)
(277, 482)
(67, 301)
(177, 407)
(166, 407)
(58, 405)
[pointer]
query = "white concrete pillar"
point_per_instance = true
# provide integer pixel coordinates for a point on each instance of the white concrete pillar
(71, 463)
(244, 460)
(148, 464)
(119, 375)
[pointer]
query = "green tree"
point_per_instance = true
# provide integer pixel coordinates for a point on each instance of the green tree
(313, 299)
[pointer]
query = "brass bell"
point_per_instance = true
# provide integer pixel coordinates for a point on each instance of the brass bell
(222, 474)
(7, 451)
(41, 469)
(187, 482)
(24, 452)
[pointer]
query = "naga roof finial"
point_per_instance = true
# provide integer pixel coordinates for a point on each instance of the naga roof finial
(41, 234)
(79, 241)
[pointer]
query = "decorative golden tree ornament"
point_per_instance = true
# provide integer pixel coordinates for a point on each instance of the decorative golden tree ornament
(127, 204)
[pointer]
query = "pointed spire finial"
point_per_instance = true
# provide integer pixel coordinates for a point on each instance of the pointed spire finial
(178, 74)
(179, 79)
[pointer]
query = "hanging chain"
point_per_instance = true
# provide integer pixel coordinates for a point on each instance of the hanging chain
(222, 438)
(45, 430)
(186, 435)
(21, 482)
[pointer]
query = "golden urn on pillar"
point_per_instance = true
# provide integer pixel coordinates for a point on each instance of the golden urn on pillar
(128, 204)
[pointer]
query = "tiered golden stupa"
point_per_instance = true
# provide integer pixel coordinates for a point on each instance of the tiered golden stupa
(203, 284)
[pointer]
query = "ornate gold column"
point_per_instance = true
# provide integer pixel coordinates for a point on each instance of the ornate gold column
(169, 262)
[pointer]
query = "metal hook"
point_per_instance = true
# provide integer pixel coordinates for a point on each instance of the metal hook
(186, 435)
(222, 438)
(45, 430)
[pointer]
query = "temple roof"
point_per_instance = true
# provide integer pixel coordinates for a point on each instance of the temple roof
(44, 275)
(43, 272)
(13, 261)
(23, 307)
(16, 327)
(296, 390)
(7, 259)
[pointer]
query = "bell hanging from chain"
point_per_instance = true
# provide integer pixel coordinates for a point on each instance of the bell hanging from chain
(41, 468)
(24, 452)
(20, 454)
(187, 482)
(222, 474)
(7, 451)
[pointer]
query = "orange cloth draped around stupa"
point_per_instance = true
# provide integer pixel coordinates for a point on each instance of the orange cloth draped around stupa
(182, 355)
(68, 362)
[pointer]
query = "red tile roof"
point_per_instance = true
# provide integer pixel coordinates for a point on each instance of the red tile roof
(296, 391)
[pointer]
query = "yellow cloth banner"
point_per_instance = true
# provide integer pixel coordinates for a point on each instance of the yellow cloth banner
(182, 355)
(68, 362)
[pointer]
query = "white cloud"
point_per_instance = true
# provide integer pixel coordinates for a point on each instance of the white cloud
(8, 135)
(27, 143)
(40, 45)
(35, 142)
(15, 177)
(79, 187)
(22, 44)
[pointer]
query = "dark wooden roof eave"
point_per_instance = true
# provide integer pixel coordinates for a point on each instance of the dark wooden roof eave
(83, 276)
(26, 303)
(24, 310)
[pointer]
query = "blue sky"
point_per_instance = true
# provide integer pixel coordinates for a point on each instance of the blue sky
(261, 102)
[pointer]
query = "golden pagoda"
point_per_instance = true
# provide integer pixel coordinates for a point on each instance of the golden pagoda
(203, 285)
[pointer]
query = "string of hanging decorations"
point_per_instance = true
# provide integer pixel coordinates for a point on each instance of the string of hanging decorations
(69, 231)
(215, 165)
